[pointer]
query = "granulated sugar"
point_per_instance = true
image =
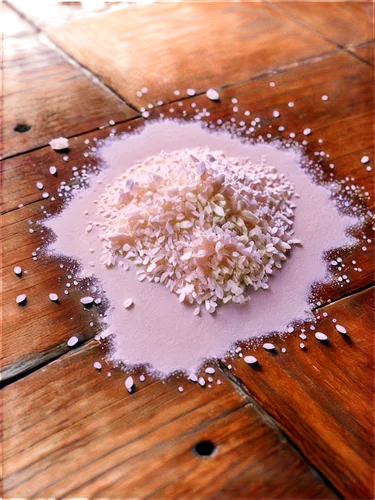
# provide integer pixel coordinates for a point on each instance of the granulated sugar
(160, 331)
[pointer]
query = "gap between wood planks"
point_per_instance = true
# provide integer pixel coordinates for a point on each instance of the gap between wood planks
(295, 20)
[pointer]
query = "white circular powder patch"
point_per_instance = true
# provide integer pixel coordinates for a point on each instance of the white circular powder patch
(162, 332)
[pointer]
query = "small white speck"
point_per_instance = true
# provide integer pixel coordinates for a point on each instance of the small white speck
(45, 195)
(111, 122)
(109, 374)
(229, 367)
(17, 270)
(210, 370)
(268, 347)
(307, 131)
(144, 90)
(190, 92)
(324, 97)
(97, 365)
(98, 301)
(272, 84)
(128, 303)
(365, 159)
(250, 360)
(129, 384)
(86, 301)
(193, 377)
(276, 114)
(341, 329)
(59, 143)
(321, 336)
(53, 170)
(181, 389)
(39, 185)
(145, 114)
(302, 345)
(197, 311)
(290, 104)
(21, 298)
(368, 168)
(303, 336)
(54, 297)
(72, 341)
(142, 378)
(201, 381)
(212, 94)
(283, 349)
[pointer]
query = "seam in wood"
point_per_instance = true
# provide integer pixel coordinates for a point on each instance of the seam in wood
(302, 24)
(244, 390)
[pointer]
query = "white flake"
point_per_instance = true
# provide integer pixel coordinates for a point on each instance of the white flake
(86, 301)
(53, 170)
(129, 384)
(21, 298)
(59, 143)
(210, 370)
(128, 303)
(53, 297)
(321, 336)
(17, 270)
(212, 94)
(39, 185)
(341, 329)
(201, 381)
(250, 360)
(72, 341)
(97, 365)
(268, 346)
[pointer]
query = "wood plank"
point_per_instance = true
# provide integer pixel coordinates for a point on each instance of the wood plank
(322, 396)
(212, 47)
(337, 121)
(344, 23)
(365, 51)
(71, 431)
(43, 91)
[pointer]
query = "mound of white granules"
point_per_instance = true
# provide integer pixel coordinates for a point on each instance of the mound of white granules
(206, 226)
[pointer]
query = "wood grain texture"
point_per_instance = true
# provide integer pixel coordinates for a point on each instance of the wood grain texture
(42, 90)
(211, 47)
(365, 51)
(71, 431)
(337, 121)
(322, 396)
(344, 23)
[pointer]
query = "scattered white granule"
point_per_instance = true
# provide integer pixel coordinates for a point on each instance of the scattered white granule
(210, 370)
(341, 329)
(276, 114)
(21, 298)
(53, 297)
(53, 170)
(283, 349)
(204, 225)
(59, 143)
(201, 381)
(129, 384)
(365, 159)
(128, 303)
(40, 185)
(86, 301)
(321, 336)
(190, 92)
(193, 377)
(302, 345)
(72, 341)
(324, 97)
(213, 95)
(291, 104)
(142, 378)
(181, 389)
(250, 360)
(17, 270)
(268, 347)
(307, 131)
(97, 365)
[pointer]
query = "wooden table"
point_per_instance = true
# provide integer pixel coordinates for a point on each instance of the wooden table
(302, 425)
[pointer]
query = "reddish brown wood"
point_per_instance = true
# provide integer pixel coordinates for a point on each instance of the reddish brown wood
(322, 396)
(365, 51)
(142, 47)
(344, 23)
(71, 431)
(42, 90)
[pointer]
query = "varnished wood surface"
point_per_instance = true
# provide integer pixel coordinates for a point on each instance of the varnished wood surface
(300, 425)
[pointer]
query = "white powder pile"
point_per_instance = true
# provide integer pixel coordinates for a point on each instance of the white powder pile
(157, 331)
(207, 226)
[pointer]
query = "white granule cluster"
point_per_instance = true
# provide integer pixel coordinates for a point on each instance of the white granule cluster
(206, 226)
